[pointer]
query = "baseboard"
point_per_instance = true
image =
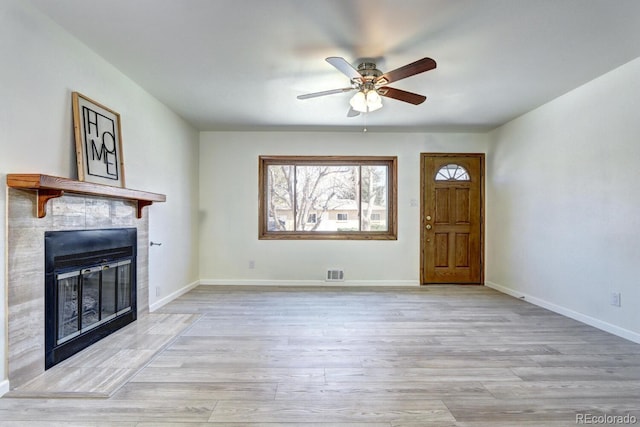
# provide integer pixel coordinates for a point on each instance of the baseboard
(166, 300)
(4, 387)
(353, 283)
(591, 321)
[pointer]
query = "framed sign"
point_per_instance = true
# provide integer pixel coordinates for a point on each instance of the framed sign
(98, 142)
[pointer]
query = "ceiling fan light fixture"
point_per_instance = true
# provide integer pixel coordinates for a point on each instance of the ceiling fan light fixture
(374, 101)
(359, 102)
(366, 102)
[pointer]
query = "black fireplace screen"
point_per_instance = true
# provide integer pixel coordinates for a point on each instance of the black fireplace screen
(90, 288)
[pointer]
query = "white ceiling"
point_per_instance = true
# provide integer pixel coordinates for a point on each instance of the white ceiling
(239, 64)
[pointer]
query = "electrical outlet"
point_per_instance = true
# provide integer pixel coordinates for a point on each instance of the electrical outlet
(615, 299)
(252, 264)
(157, 291)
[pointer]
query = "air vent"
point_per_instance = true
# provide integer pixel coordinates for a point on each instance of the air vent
(335, 275)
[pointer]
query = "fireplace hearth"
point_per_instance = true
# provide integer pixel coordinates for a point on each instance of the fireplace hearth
(90, 288)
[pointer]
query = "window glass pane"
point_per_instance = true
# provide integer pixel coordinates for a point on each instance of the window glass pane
(280, 198)
(325, 190)
(452, 172)
(374, 198)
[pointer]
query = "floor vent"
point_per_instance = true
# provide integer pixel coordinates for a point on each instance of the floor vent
(335, 275)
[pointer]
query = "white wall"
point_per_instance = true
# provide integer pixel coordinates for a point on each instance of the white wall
(564, 203)
(229, 208)
(41, 66)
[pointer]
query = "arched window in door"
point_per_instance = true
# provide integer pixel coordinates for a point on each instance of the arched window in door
(452, 172)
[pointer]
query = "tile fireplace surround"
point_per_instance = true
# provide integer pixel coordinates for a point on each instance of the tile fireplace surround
(25, 246)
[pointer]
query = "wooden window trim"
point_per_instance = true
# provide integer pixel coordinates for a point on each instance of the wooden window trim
(392, 188)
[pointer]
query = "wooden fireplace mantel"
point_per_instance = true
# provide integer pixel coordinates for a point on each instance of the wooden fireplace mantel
(49, 187)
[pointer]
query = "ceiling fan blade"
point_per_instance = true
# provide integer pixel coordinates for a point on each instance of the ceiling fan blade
(420, 66)
(352, 113)
(325, 92)
(344, 67)
(402, 95)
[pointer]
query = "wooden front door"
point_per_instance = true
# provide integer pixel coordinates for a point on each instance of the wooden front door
(452, 242)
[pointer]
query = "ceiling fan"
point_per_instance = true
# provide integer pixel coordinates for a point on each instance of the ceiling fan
(370, 84)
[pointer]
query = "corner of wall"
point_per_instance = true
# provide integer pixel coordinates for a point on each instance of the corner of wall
(166, 300)
(591, 321)
(4, 387)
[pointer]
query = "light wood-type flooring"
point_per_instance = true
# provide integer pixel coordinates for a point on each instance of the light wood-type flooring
(443, 356)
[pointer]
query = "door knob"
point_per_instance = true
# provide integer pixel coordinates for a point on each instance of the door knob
(428, 227)
(428, 218)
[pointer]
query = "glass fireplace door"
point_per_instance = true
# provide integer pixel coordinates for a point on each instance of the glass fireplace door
(90, 297)
(123, 294)
(108, 306)
(68, 293)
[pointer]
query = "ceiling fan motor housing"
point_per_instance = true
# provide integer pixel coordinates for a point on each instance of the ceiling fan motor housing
(368, 69)
(369, 74)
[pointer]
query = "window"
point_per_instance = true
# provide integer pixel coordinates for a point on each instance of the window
(327, 197)
(452, 172)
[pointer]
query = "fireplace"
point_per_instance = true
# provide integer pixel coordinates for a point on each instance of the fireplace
(90, 288)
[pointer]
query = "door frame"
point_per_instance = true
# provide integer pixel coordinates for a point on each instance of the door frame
(423, 178)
